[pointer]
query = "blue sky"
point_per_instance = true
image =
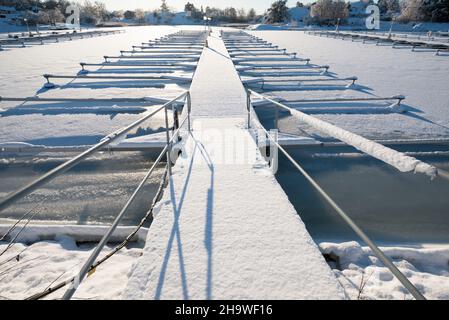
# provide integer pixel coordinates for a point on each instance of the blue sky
(259, 5)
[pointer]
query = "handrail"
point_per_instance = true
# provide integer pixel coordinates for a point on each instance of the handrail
(183, 59)
(379, 253)
(400, 98)
(132, 64)
(106, 77)
(104, 240)
(87, 100)
(49, 176)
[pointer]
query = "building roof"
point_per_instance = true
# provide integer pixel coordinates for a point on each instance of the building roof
(5, 8)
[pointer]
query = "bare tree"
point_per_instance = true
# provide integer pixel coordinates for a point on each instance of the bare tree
(139, 16)
(93, 13)
(251, 14)
(118, 14)
(241, 13)
(412, 10)
(329, 11)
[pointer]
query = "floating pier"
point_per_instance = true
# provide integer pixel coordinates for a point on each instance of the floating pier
(225, 228)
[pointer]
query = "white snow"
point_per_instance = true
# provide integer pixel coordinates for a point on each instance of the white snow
(226, 230)
(17, 145)
(382, 71)
(85, 233)
(396, 159)
(426, 267)
(47, 263)
(70, 124)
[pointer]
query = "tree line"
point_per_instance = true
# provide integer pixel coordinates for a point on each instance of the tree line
(54, 11)
(229, 14)
(321, 11)
(330, 12)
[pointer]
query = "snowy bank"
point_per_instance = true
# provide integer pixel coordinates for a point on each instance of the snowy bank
(84, 233)
(364, 277)
(29, 269)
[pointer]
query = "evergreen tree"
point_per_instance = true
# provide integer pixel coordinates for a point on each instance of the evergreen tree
(278, 12)
(164, 6)
(189, 7)
(436, 10)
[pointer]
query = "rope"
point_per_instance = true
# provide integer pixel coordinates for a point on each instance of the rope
(147, 217)
(13, 240)
(16, 257)
(18, 221)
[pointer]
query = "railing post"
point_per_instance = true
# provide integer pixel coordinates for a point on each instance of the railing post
(248, 107)
(167, 131)
(189, 110)
(175, 123)
(274, 151)
(276, 117)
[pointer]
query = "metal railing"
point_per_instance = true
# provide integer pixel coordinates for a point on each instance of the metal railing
(166, 151)
(377, 251)
(365, 145)
(41, 39)
(392, 39)
(293, 83)
(107, 77)
(44, 179)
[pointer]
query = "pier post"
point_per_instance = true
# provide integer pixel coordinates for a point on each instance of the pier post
(167, 131)
(248, 107)
(276, 117)
(274, 151)
(189, 110)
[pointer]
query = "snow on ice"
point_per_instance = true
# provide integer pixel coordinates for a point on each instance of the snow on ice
(363, 276)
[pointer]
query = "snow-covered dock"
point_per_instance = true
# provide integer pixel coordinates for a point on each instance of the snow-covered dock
(218, 162)
(224, 228)
(437, 44)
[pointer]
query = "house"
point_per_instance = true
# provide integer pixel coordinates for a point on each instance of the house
(7, 11)
(10, 14)
(358, 9)
(299, 14)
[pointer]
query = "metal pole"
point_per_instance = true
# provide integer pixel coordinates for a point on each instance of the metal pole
(276, 117)
(386, 261)
(189, 110)
(248, 107)
(87, 100)
(274, 152)
(167, 131)
(399, 275)
(90, 261)
(28, 27)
